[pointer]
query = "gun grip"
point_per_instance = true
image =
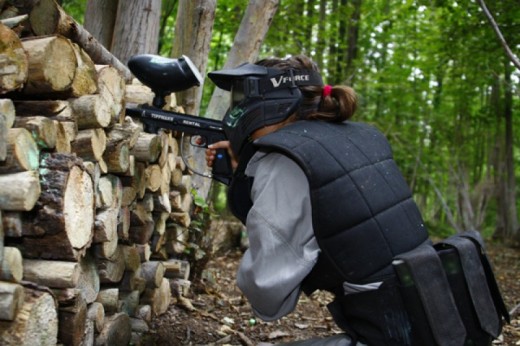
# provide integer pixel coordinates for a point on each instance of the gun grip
(222, 170)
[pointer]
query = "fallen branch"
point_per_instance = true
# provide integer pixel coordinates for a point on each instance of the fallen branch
(514, 310)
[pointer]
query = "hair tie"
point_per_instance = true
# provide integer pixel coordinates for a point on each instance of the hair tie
(327, 89)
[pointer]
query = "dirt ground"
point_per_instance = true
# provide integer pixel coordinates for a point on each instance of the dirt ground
(220, 315)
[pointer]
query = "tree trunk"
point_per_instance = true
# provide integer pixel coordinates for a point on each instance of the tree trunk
(136, 30)
(100, 17)
(246, 47)
(193, 38)
(512, 231)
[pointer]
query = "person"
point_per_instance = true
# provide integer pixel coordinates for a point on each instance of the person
(324, 203)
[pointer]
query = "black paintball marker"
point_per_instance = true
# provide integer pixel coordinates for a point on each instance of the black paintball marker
(165, 76)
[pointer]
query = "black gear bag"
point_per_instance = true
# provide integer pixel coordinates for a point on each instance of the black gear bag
(463, 304)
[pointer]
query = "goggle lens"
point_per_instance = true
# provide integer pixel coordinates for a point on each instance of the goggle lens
(237, 93)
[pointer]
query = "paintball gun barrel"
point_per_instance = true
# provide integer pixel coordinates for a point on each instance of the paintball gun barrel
(203, 131)
(164, 76)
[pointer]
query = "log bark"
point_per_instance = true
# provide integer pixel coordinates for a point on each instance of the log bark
(158, 298)
(96, 313)
(54, 109)
(11, 300)
(129, 301)
(13, 61)
(2, 232)
(111, 87)
(137, 94)
(89, 281)
(90, 144)
(11, 226)
(117, 331)
(153, 273)
(64, 212)
(53, 274)
(147, 148)
(43, 130)
(22, 152)
(8, 110)
(105, 225)
(176, 269)
(3, 137)
(127, 131)
(52, 65)
(132, 281)
(109, 298)
(11, 268)
(19, 191)
(141, 225)
(117, 157)
(153, 177)
(66, 132)
(132, 258)
(112, 270)
(90, 111)
(48, 18)
(73, 322)
(36, 322)
(85, 79)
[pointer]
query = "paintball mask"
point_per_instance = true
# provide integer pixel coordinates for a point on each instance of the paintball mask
(260, 96)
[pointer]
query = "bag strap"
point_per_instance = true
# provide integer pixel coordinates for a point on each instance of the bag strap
(475, 237)
(436, 297)
(475, 277)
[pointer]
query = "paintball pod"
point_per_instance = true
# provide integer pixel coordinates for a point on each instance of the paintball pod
(164, 76)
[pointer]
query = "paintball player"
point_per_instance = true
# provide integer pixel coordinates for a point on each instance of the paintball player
(323, 201)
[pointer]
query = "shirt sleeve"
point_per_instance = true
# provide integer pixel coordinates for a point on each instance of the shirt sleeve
(282, 247)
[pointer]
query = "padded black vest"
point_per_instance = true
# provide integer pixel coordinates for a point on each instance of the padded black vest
(362, 208)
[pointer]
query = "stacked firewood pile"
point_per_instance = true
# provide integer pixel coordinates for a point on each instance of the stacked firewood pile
(93, 211)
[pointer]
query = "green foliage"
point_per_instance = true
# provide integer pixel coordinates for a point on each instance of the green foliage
(430, 74)
(75, 8)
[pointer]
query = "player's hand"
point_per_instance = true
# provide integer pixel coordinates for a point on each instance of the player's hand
(211, 152)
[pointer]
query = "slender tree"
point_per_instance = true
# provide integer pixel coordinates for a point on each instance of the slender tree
(100, 17)
(136, 29)
(193, 38)
(246, 45)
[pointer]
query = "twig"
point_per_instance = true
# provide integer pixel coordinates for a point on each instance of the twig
(14, 21)
(501, 38)
(514, 310)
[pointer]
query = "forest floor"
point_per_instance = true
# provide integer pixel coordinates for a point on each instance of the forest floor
(220, 315)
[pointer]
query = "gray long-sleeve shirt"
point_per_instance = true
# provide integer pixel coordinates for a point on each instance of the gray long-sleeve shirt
(282, 248)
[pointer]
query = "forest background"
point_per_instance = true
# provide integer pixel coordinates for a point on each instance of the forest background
(431, 74)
